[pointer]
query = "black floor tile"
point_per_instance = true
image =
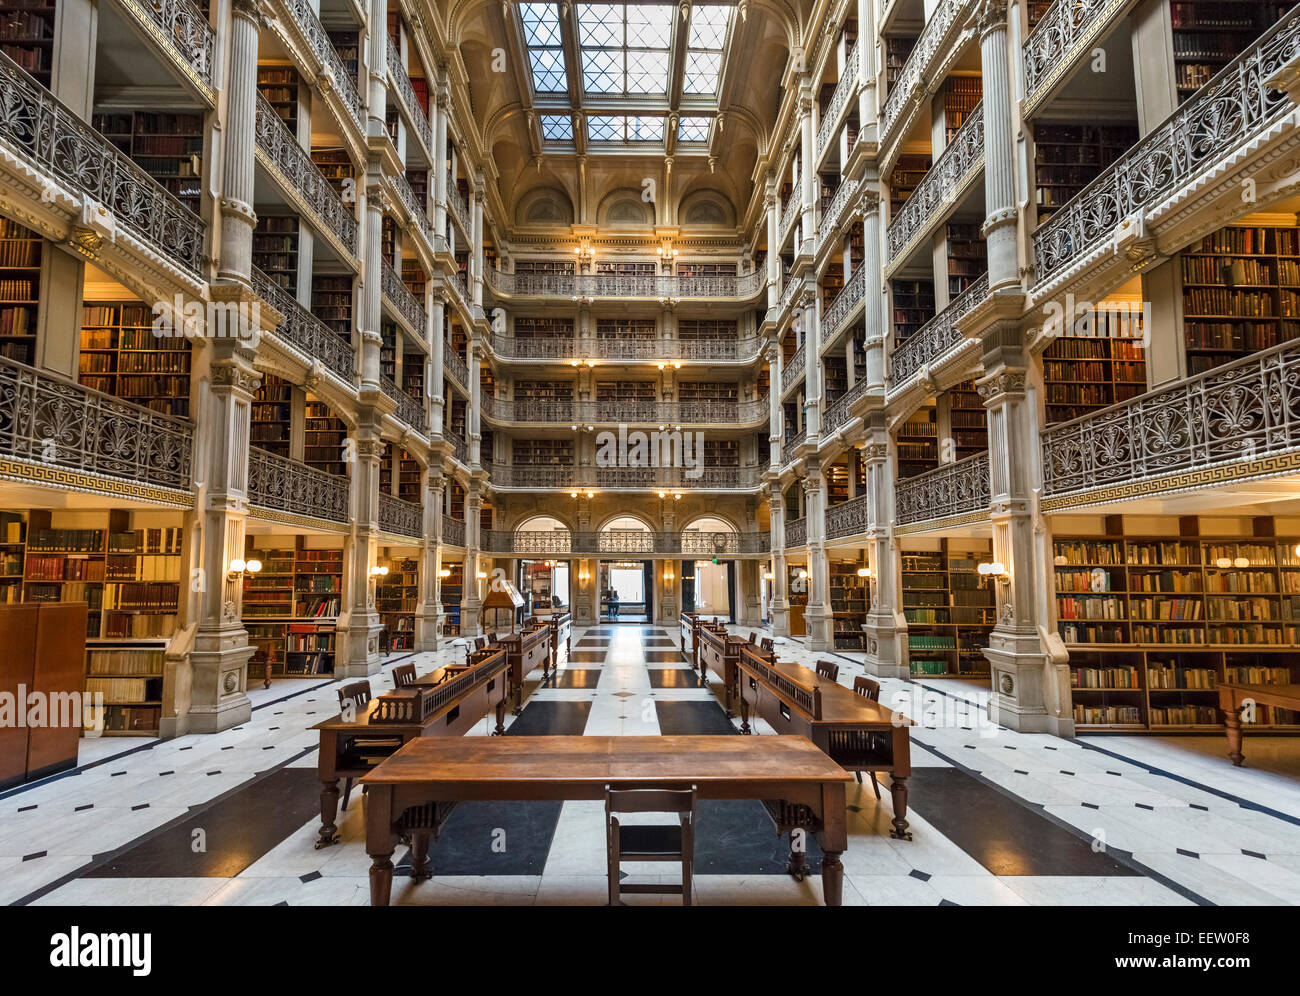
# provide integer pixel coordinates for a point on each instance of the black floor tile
(237, 830)
(663, 656)
(737, 837)
(551, 719)
(674, 677)
(587, 657)
(493, 838)
(1003, 835)
(692, 718)
(576, 678)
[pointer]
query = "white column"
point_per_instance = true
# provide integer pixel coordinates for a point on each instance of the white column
(886, 626)
(999, 150)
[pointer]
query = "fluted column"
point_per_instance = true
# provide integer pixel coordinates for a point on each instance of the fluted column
(471, 604)
(371, 310)
(1031, 686)
(812, 367)
(239, 125)
(817, 614)
(472, 416)
(441, 101)
(360, 626)
(428, 627)
(438, 407)
(478, 189)
(886, 626)
(775, 432)
(780, 605)
(999, 149)
(773, 209)
(874, 301)
(807, 166)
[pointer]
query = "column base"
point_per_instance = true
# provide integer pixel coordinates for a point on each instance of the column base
(1020, 673)
(362, 658)
(428, 631)
(780, 621)
(218, 698)
(821, 630)
(885, 655)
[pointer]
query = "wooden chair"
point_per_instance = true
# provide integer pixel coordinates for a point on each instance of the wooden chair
(356, 694)
(753, 638)
(767, 644)
(403, 675)
(868, 688)
(828, 670)
(659, 842)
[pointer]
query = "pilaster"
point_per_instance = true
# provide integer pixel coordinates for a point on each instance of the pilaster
(886, 626)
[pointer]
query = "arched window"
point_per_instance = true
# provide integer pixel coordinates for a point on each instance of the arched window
(542, 534)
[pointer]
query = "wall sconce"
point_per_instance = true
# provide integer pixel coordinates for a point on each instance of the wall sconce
(802, 575)
(444, 572)
(481, 575)
(591, 494)
(864, 572)
(379, 571)
(666, 253)
(663, 495)
(677, 496)
(995, 570)
(239, 567)
(769, 576)
(669, 576)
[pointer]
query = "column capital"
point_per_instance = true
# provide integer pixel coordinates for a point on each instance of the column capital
(992, 16)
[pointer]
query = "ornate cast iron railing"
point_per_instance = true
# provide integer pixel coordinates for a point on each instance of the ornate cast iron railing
(418, 213)
(796, 532)
(284, 485)
(341, 80)
(953, 489)
(400, 517)
(936, 338)
(453, 363)
(453, 531)
(1230, 110)
(792, 372)
(936, 37)
(459, 447)
(39, 128)
(689, 543)
(845, 301)
(409, 410)
(837, 412)
(664, 285)
(304, 331)
(282, 153)
(1066, 30)
(831, 216)
(644, 478)
(459, 207)
(403, 301)
(183, 28)
(790, 211)
(958, 163)
(61, 424)
(632, 411)
(409, 99)
(848, 518)
(846, 86)
(1247, 410)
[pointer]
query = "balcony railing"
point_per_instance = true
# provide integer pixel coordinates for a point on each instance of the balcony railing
(40, 129)
(953, 489)
(937, 338)
(1247, 410)
(796, 532)
(690, 543)
(401, 299)
(849, 518)
(936, 38)
(844, 304)
(547, 348)
(414, 111)
(790, 211)
(453, 363)
(665, 285)
(790, 446)
(831, 216)
(1224, 115)
(792, 372)
(304, 331)
(301, 177)
(453, 531)
(459, 447)
(283, 485)
(459, 207)
(958, 164)
(183, 29)
(417, 212)
(409, 410)
(648, 412)
(644, 478)
(846, 86)
(54, 423)
(318, 38)
(400, 517)
(837, 412)
(1067, 29)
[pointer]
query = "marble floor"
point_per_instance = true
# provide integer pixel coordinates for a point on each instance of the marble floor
(999, 818)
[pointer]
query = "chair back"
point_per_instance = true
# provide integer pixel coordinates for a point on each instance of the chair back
(355, 692)
(767, 644)
(753, 638)
(867, 687)
(648, 800)
(403, 675)
(828, 670)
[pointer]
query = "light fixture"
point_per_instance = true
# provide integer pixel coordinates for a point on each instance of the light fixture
(253, 566)
(768, 576)
(677, 496)
(662, 365)
(662, 495)
(591, 494)
(378, 571)
(573, 494)
(573, 363)
(801, 575)
(677, 364)
(662, 428)
(481, 575)
(239, 567)
(994, 569)
(1223, 563)
(669, 575)
(444, 572)
(1241, 562)
(864, 572)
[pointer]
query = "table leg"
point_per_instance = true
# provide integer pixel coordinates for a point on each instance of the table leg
(797, 866)
(744, 715)
(380, 843)
(501, 719)
(329, 812)
(1232, 720)
(833, 878)
(898, 789)
(420, 869)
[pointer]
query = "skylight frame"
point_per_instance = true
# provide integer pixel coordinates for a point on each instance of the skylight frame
(706, 44)
(612, 46)
(543, 38)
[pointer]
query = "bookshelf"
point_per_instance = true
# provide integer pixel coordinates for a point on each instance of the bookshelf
(130, 679)
(968, 421)
(625, 328)
(1102, 362)
(967, 257)
(121, 356)
(836, 377)
(918, 443)
(336, 166)
(275, 249)
(532, 327)
(346, 45)
(1154, 623)
(13, 534)
(707, 390)
(850, 602)
(721, 453)
(913, 306)
(396, 598)
(961, 95)
(706, 269)
(543, 390)
(949, 609)
(27, 37)
(408, 477)
(388, 349)
(832, 283)
(625, 390)
(897, 49)
(272, 415)
(548, 267)
(20, 282)
(413, 376)
(279, 85)
(290, 608)
(1068, 157)
(542, 452)
(1241, 294)
(331, 301)
(324, 438)
(167, 146)
(1208, 34)
(452, 589)
(908, 172)
(694, 329)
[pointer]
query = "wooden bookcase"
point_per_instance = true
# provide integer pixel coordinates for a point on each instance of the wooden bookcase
(908, 172)
(397, 597)
(543, 390)
(279, 85)
(413, 376)
(1102, 363)
(949, 609)
(13, 535)
(721, 453)
(897, 49)
(961, 95)
(850, 602)
(542, 452)
(967, 257)
(1067, 157)
(324, 438)
(968, 420)
(625, 328)
(1208, 34)
(452, 590)
(27, 31)
(331, 301)
(271, 418)
(1154, 623)
(336, 166)
(44, 649)
(388, 349)
(913, 306)
(121, 356)
(918, 443)
(275, 249)
(625, 390)
(290, 609)
(1241, 294)
(535, 327)
(832, 283)
(20, 283)
(346, 45)
(167, 146)
(707, 390)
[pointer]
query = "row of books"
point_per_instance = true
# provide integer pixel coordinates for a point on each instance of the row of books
(41, 567)
(127, 661)
(125, 690)
(141, 597)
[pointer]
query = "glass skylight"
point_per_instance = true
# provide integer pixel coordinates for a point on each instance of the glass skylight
(557, 127)
(545, 52)
(704, 46)
(625, 48)
(624, 128)
(693, 129)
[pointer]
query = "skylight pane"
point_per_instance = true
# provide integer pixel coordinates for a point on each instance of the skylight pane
(702, 72)
(557, 127)
(548, 70)
(693, 129)
(708, 26)
(647, 72)
(600, 25)
(541, 26)
(645, 129)
(602, 128)
(649, 27)
(602, 70)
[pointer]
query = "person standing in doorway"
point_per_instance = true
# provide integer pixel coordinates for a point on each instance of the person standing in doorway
(613, 603)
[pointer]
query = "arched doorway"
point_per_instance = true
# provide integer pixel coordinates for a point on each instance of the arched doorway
(625, 575)
(708, 569)
(542, 545)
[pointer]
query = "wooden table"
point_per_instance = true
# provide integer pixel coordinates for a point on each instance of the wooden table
(443, 704)
(413, 792)
(526, 650)
(855, 732)
(718, 651)
(1233, 699)
(689, 623)
(561, 624)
